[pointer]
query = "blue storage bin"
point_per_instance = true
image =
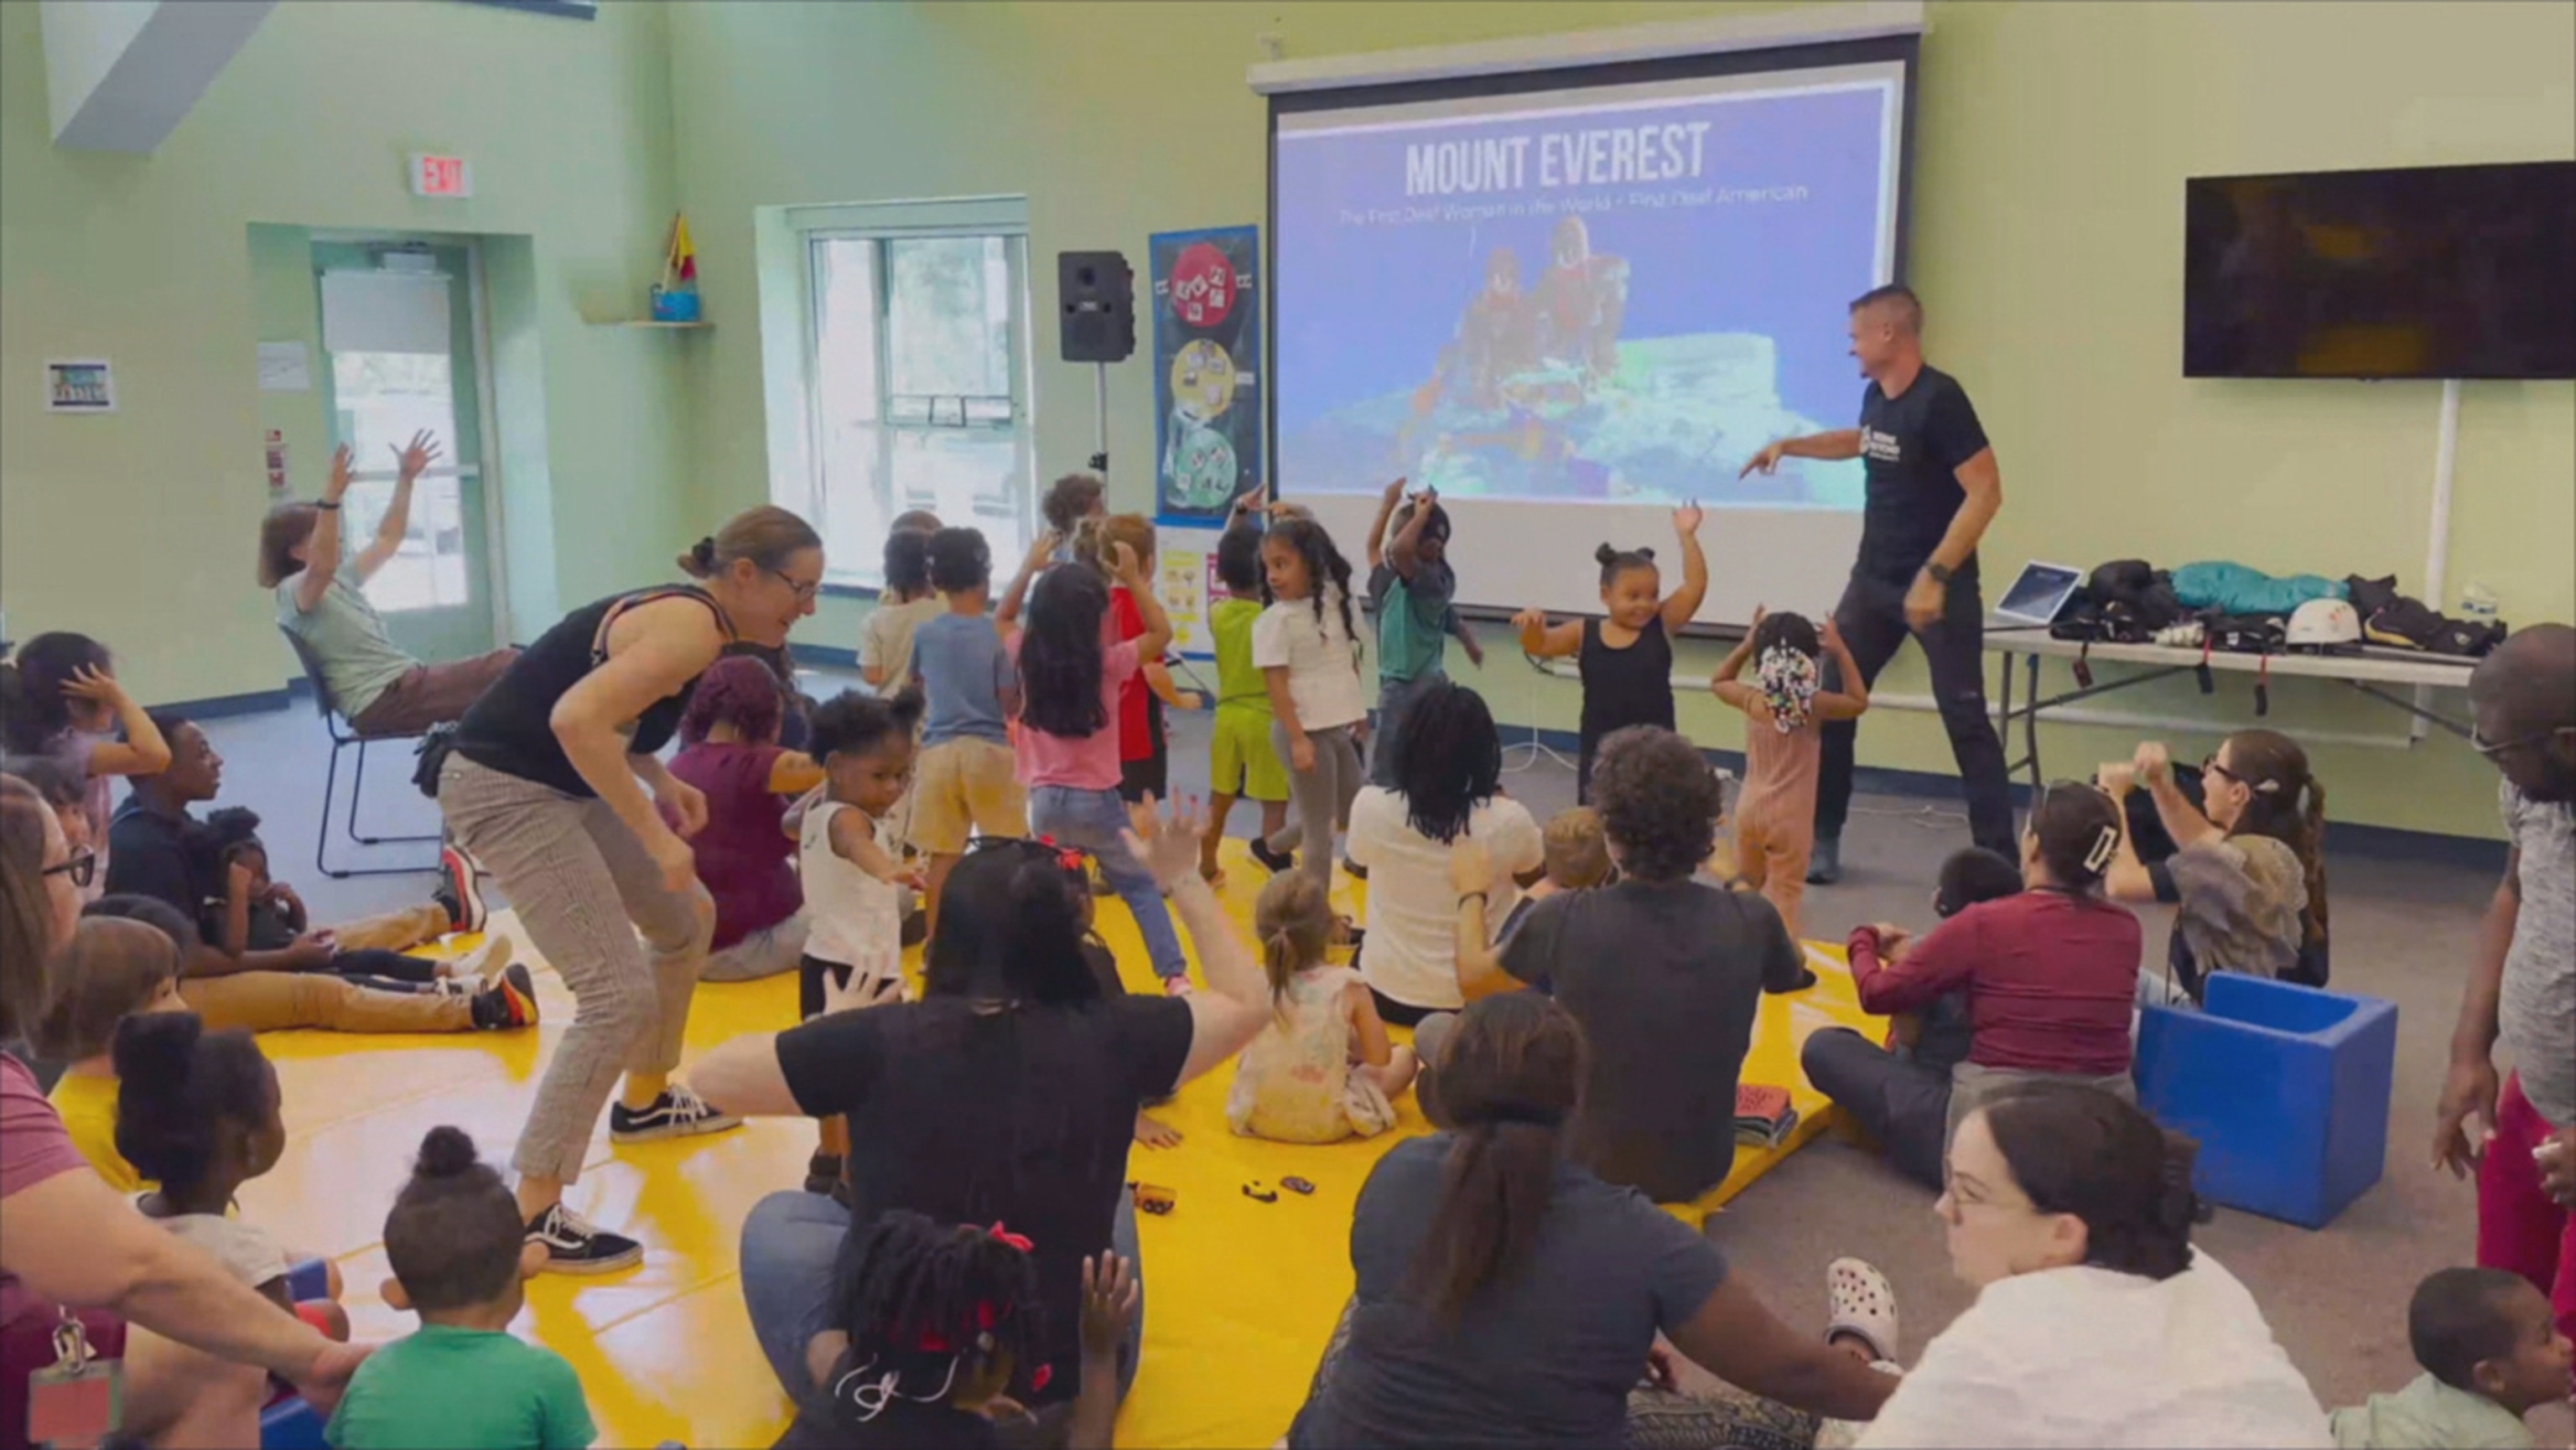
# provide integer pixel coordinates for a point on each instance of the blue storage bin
(291, 1424)
(2285, 1087)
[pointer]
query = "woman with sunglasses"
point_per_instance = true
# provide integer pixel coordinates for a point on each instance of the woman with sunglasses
(2248, 869)
(555, 784)
(1007, 1094)
(2096, 1321)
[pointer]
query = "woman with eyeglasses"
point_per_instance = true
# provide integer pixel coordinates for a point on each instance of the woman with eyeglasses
(2050, 972)
(556, 786)
(2248, 870)
(2096, 1321)
(82, 1273)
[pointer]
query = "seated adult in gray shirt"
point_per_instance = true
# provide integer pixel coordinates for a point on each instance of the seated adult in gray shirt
(1666, 973)
(321, 600)
(1505, 1296)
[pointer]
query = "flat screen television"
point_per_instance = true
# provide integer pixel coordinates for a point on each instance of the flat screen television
(2415, 272)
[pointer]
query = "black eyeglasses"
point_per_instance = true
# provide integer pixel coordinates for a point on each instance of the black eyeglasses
(80, 868)
(2493, 748)
(804, 592)
(2211, 766)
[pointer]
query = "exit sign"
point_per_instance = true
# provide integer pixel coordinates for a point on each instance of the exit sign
(441, 176)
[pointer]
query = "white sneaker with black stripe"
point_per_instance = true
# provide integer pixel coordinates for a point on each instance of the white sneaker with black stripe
(678, 1113)
(575, 1245)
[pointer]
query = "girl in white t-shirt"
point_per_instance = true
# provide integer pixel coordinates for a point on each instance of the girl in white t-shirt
(1323, 1069)
(853, 885)
(1447, 762)
(1309, 655)
(197, 1114)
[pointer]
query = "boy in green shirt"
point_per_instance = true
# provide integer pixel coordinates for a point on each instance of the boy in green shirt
(1242, 761)
(463, 1382)
(2491, 1351)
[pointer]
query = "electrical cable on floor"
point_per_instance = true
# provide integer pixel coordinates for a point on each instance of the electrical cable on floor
(1536, 745)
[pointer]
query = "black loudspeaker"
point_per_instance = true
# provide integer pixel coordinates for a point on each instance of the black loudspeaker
(1098, 294)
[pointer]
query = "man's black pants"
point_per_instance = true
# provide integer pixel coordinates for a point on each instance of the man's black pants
(1872, 619)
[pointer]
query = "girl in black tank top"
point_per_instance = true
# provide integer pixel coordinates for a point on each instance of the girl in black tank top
(1626, 660)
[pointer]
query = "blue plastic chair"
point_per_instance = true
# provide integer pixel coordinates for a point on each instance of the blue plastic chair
(2285, 1087)
(291, 1424)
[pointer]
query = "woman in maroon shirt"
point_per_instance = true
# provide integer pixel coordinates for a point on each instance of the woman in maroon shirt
(2051, 974)
(729, 750)
(195, 1345)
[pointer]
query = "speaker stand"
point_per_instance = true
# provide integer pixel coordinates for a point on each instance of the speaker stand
(1100, 420)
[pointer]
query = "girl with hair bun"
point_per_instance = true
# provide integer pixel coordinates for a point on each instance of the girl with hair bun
(555, 783)
(1785, 706)
(2096, 1322)
(2051, 973)
(2248, 871)
(1626, 659)
(1323, 1070)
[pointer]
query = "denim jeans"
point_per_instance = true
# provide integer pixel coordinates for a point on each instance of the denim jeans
(790, 1243)
(1092, 820)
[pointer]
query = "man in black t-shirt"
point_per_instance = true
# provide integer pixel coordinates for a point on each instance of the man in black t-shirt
(1933, 489)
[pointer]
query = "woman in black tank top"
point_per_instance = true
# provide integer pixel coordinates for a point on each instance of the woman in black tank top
(1627, 659)
(556, 787)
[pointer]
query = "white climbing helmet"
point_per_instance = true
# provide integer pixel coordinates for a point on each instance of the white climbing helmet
(2324, 624)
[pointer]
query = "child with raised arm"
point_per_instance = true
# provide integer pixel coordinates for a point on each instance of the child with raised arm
(1144, 745)
(1785, 707)
(1627, 658)
(1242, 760)
(1071, 666)
(60, 701)
(1410, 586)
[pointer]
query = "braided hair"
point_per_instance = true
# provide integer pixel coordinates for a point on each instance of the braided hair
(1447, 759)
(927, 1307)
(1786, 665)
(1326, 570)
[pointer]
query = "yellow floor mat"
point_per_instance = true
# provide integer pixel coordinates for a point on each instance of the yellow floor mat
(1241, 1294)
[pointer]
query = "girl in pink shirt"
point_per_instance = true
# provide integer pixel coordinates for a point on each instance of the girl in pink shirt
(1070, 673)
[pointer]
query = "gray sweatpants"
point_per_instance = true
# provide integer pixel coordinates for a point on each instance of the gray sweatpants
(583, 885)
(1320, 798)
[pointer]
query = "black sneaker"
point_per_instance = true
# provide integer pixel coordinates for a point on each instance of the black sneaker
(1271, 861)
(575, 1245)
(506, 1001)
(457, 890)
(1825, 862)
(677, 1113)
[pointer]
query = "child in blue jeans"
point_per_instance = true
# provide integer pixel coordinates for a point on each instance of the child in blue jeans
(1070, 670)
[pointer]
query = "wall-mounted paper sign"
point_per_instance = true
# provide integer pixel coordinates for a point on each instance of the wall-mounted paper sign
(80, 385)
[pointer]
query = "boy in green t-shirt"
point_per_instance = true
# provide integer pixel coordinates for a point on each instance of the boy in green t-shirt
(1242, 761)
(463, 1382)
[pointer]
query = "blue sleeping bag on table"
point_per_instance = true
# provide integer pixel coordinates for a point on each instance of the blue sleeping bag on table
(2235, 589)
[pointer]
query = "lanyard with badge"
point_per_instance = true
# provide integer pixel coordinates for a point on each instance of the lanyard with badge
(81, 1400)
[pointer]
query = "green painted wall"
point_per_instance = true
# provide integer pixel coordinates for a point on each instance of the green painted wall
(139, 527)
(2051, 146)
